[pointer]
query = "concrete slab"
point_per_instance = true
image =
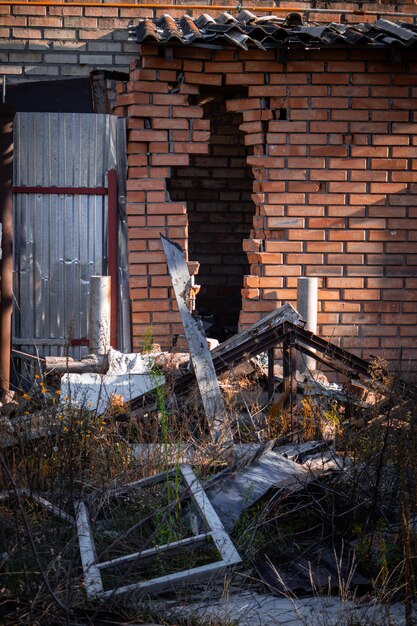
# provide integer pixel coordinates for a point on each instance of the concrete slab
(253, 609)
(93, 391)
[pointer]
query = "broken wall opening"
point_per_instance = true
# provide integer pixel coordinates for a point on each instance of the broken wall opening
(217, 190)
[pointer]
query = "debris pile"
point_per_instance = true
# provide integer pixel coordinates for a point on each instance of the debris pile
(176, 469)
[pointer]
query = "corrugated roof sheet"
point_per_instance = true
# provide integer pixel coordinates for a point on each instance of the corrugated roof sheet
(247, 30)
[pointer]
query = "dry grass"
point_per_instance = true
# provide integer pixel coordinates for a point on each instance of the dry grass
(87, 456)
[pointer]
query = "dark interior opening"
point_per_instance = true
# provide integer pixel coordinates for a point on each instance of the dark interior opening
(217, 189)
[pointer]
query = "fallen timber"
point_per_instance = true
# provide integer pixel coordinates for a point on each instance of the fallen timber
(253, 341)
(283, 328)
(200, 355)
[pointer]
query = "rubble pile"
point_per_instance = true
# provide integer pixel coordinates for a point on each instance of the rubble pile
(277, 483)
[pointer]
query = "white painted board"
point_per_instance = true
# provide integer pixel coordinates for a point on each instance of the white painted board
(93, 391)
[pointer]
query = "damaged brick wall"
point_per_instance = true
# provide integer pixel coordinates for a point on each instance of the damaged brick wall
(331, 140)
(217, 190)
(46, 42)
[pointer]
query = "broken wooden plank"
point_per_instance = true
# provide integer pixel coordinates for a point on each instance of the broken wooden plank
(205, 373)
(92, 577)
(259, 337)
(253, 334)
(48, 506)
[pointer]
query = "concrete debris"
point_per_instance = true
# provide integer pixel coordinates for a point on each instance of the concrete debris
(93, 392)
(93, 363)
(254, 609)
(235, 490)
(121, 364)
(25, 428)
(171, 361)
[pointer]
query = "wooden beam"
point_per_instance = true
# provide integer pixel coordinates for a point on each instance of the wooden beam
(205, 373)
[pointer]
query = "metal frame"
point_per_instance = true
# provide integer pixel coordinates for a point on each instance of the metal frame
(281, 329)
(259, 337)
(50, 191)
(92, 567)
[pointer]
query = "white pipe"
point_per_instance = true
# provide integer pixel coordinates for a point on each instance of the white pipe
(307, 297)
(100, 298)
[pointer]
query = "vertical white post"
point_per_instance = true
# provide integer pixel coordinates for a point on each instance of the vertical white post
(100, 299)
(307, 296)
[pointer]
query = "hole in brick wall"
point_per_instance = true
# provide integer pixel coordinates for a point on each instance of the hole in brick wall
(217, 189)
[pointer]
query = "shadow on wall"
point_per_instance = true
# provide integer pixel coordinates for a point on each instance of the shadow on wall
(217, 189)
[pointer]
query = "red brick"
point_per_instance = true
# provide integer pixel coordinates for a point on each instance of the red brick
(341, 306)
(283, 246)
(385, 259)
(345, 211)
(399, 294)
(137, 184)
(280, 294)
(205, 79)
(148, 135)
(26, 33)
(346, 235)
(345, 259)
(323, 270)
(304, 258)
(282, 270)
(245, 79)
(305, 66)
(362, 294)
(344, 282)
(187, 112)
(324, 246)
(148, 111)
(367, 175)
(306, 234)
(265, 259)
(367, 222)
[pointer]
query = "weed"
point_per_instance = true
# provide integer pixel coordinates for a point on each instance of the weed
(372, 505)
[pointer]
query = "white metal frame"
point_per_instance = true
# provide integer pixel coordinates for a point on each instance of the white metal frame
(92, 567)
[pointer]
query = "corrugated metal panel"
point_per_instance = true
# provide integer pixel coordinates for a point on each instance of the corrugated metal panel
(60, 240)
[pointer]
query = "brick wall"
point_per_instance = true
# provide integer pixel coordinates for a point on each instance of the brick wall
(45, 42)
(217, 190)
(334, 188)
(332, 141)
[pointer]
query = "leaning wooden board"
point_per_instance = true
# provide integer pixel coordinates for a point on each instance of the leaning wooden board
(205, 373)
